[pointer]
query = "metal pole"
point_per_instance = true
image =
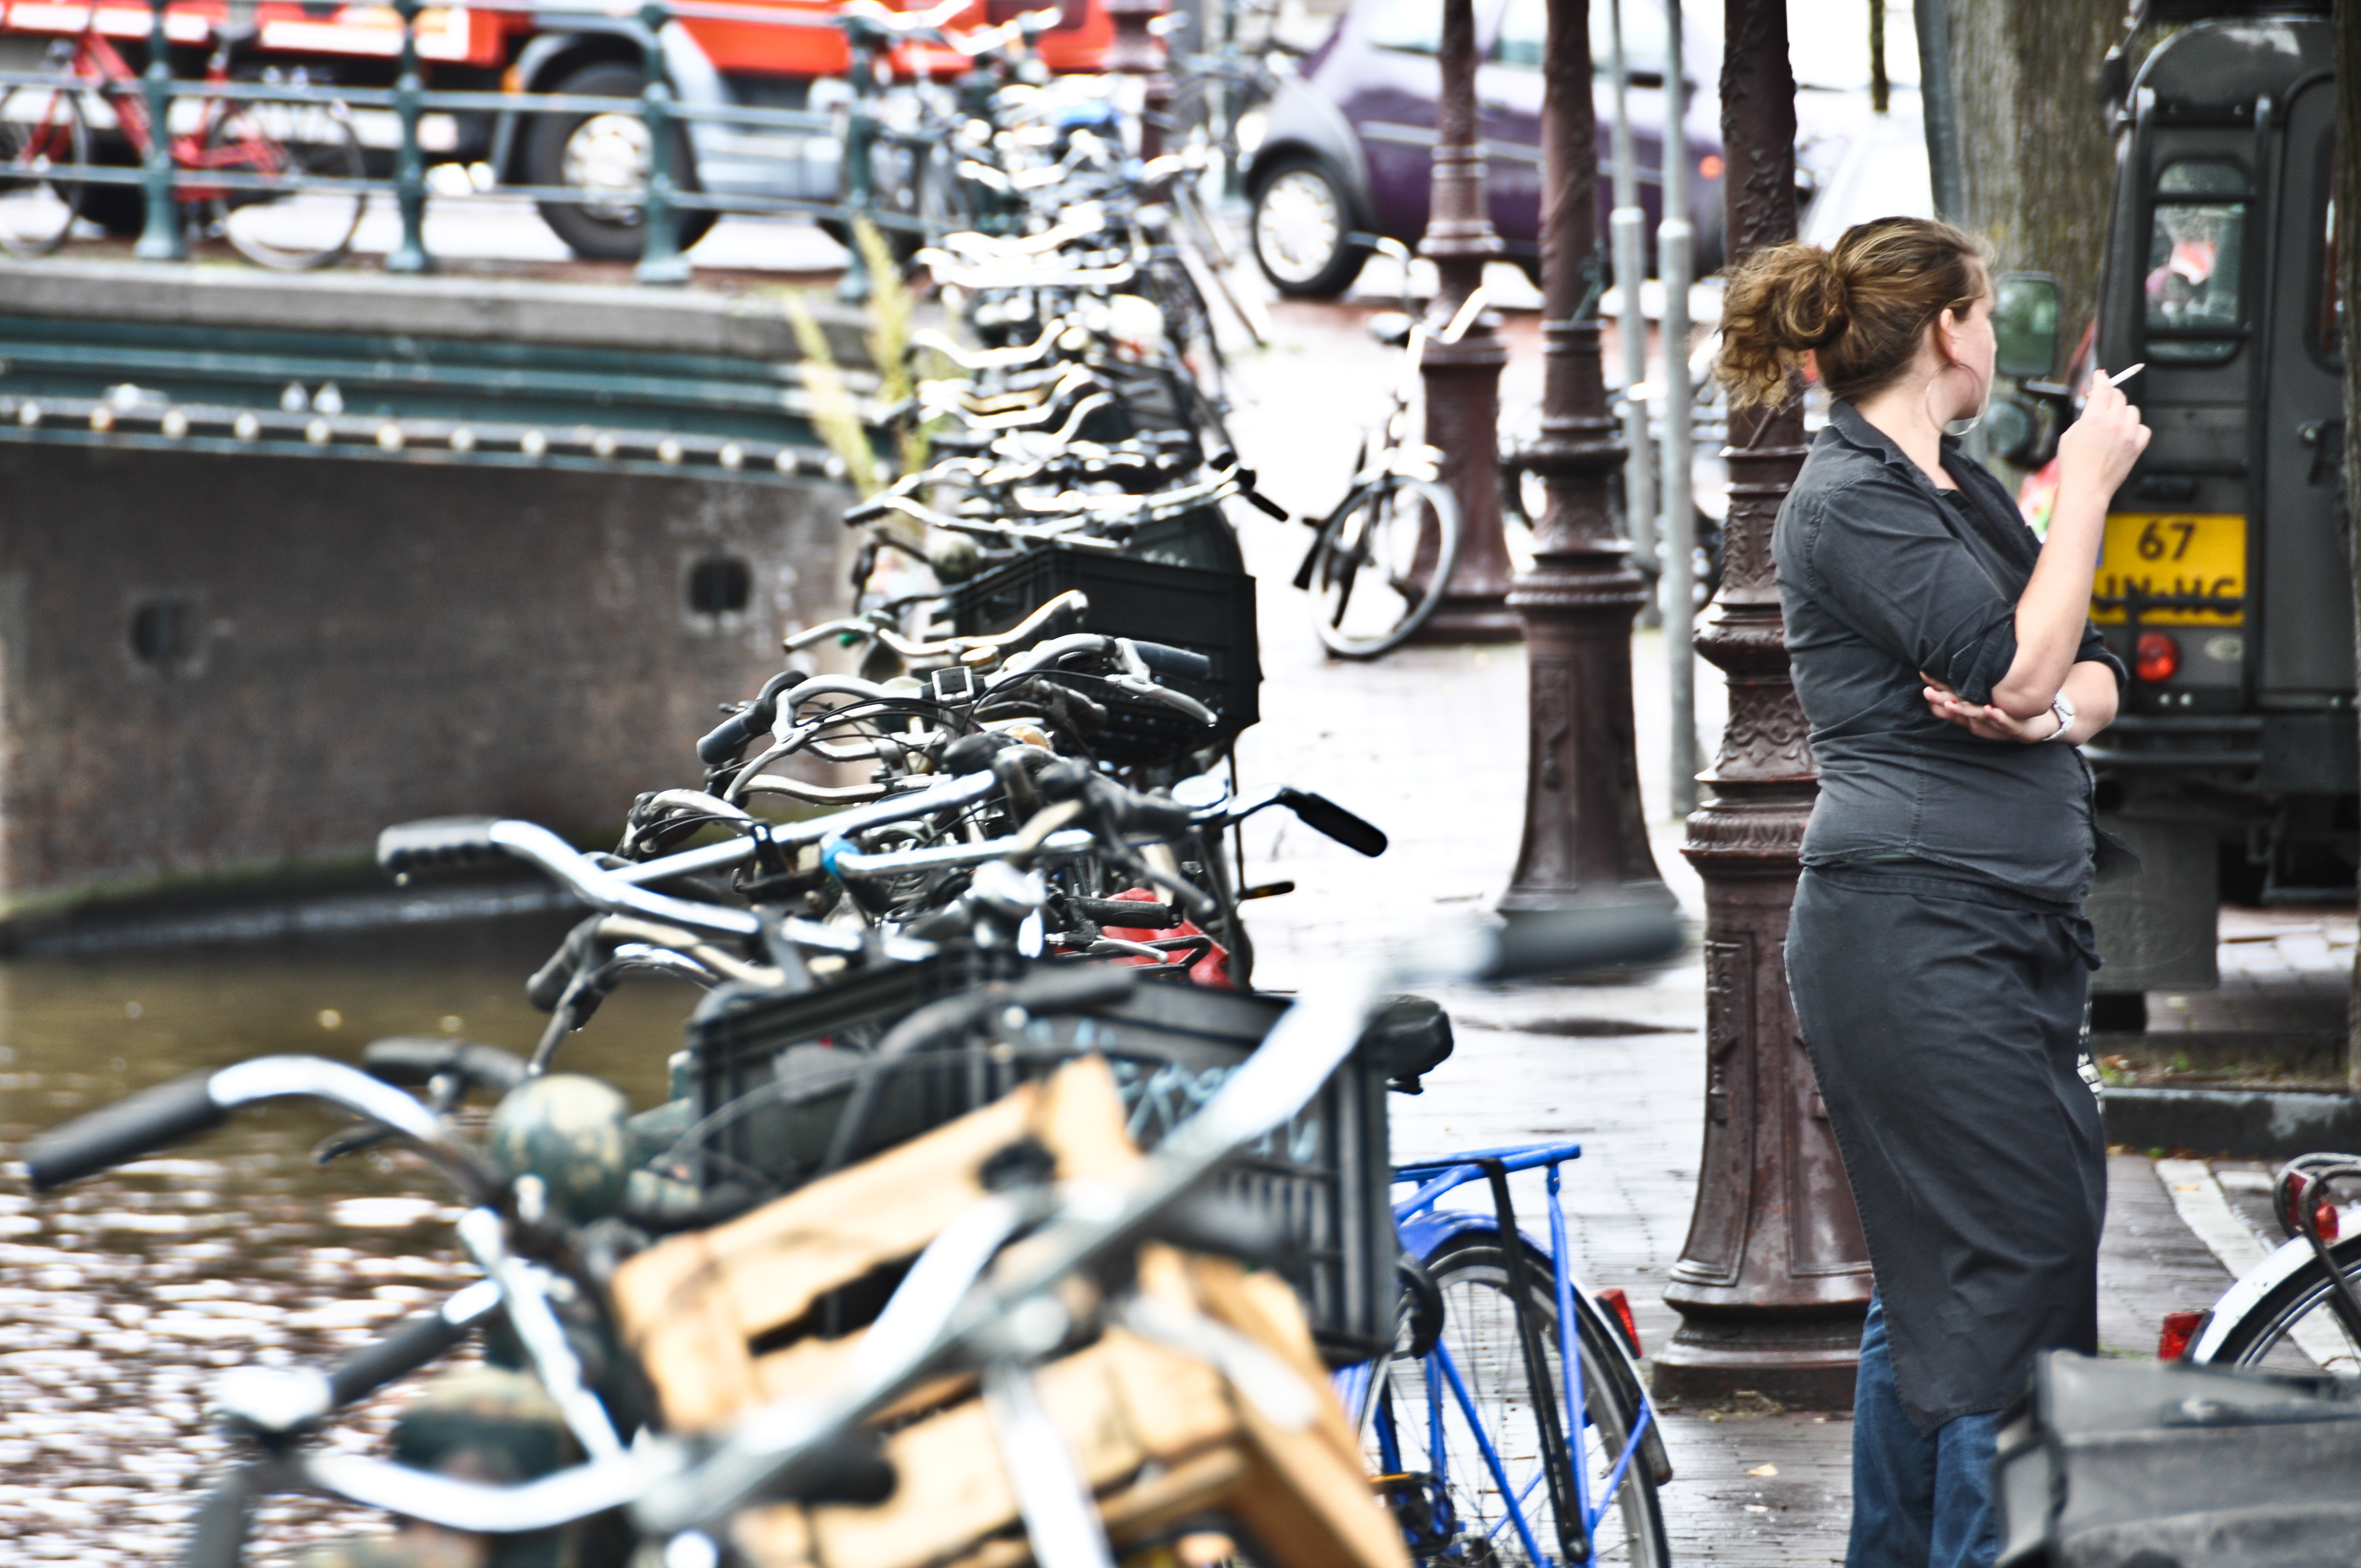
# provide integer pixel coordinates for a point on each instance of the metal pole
(409, 165)
(1626, 224)
(1774, 1278)
(1463, 379)
(1675, 262)
(860, 137)
(661, 261)
(1586, 834)
(161, 239)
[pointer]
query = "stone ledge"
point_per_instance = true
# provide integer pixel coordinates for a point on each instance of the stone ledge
(2249, 1123)
(600, 315)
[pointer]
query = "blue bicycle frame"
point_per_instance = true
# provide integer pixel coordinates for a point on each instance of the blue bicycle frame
(1423, 1228)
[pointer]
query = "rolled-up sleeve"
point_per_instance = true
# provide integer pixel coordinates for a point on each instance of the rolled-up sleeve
(1882, 558)
(2094, 651)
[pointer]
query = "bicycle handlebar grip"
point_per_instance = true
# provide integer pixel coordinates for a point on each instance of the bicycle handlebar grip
(412, 1061)
(864, 512)
(1324, 816)
(1167, 660)
(437, 841)
(412, 1344)
(142, 1123)
(1568, 940)
(548, 984)
(726, 741)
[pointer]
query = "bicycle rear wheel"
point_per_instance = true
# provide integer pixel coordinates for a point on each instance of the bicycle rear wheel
(41, 128)
(1441, 1420)
(290, 230)
(2293, 1328)
(1381, 566)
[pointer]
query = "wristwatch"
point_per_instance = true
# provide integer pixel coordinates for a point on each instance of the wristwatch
(2063, 708)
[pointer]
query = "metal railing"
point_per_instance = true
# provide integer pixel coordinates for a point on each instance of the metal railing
(661, 199)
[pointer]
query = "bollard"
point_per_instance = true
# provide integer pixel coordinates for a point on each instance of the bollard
(159, 237)
(661, 261)
(409, 164)
(860, 138)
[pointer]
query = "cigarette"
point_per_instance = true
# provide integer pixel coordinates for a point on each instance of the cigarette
(2120, 377)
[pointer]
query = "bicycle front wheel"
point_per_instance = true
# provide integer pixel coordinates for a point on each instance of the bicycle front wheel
(1458, 1433)
(41, 129)
(2293, 1328)
(296, 229)
(1381, 566)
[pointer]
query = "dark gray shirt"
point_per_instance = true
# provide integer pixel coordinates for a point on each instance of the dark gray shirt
(1881, 575)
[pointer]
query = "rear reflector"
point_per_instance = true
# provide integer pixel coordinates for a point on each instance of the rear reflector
(2181, 1331)
(1619, 1306)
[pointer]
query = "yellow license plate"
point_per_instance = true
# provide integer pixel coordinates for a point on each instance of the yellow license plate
(2173, 556)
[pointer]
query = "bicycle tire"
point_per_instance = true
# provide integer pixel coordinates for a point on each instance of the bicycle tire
(1338, 564)
(2262, 1334)
(1471, 1275)
(41, 127)
(297, 230)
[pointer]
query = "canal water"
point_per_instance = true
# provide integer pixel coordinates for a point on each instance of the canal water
(122, 1297)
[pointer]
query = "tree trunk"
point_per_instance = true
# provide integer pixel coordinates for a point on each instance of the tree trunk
(2036, 151)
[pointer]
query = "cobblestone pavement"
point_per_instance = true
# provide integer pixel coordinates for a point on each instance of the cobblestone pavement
(1430, 744)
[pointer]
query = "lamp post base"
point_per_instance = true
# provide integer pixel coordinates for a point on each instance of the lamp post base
(1804, 1361)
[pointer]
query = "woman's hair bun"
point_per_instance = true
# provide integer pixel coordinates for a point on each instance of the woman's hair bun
(1858, 307)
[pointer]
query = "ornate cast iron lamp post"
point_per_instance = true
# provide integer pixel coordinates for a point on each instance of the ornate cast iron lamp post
(1774, 1277)
(1138, 51)
(1586, 835)
(1463, 379)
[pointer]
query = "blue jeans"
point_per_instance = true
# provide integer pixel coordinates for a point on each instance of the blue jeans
(1920, 1499)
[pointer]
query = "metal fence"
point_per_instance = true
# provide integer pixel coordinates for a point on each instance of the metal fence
(661, 200)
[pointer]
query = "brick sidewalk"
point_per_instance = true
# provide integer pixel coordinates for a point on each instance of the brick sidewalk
(1429, 743)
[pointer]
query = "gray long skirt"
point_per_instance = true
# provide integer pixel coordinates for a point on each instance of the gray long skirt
(1943, 1018)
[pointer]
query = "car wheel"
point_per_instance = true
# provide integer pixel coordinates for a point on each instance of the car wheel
(1302, 230)
(594, 152)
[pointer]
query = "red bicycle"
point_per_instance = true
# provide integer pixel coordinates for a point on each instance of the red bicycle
(48, 128)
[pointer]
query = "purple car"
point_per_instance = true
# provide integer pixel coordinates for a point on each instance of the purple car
(1347, 146)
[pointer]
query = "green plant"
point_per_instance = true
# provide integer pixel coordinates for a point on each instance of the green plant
(834, 414)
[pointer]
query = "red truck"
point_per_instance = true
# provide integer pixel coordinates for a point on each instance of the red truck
(548, 49)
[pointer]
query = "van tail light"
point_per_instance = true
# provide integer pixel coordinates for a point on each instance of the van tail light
(2156, 657)
(1619, 1305)
(2181, 1331)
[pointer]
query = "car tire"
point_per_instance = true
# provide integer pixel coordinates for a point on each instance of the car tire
(1302, 227)
(575, 149)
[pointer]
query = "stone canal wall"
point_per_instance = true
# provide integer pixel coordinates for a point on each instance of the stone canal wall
(219, 664)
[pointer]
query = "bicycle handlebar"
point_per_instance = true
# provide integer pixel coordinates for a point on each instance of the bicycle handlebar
(159, 1117)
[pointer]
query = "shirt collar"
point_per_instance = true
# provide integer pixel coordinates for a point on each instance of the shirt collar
(1857, 432)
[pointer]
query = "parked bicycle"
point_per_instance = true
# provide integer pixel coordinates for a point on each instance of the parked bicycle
(1381, 560)
(252, 150)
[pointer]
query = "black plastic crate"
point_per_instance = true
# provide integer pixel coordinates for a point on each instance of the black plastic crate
(1208, 612)
(1325, 1177)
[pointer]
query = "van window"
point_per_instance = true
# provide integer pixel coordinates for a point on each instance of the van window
(2196, 262)
(2331, 325)
(1412, 26)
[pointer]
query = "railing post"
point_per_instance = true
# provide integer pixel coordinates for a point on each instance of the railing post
(660, 257)
(409, 164)
(859, 136)
(160, 238)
